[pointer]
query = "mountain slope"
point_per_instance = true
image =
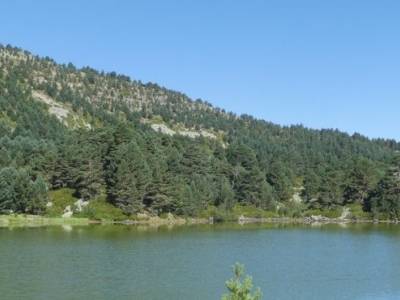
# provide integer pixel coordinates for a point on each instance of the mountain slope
(144, 147)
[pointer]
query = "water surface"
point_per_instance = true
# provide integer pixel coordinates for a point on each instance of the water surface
(127, 262)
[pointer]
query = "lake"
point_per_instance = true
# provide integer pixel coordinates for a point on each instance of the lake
(128, 262)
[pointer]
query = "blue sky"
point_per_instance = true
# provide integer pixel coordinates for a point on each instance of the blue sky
(324, 64)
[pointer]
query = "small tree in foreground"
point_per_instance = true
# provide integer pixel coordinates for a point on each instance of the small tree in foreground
(240, 287)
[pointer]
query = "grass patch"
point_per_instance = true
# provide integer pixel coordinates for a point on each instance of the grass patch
(329, 213)
(218, 214)
(100, 209)
(60, 198)
(358, 212)
(292, 209)
(32, 220)
(248, 211)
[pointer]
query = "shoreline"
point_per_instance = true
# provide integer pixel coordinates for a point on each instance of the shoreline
(38, 221)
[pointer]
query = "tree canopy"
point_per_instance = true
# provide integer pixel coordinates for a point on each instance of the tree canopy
(61, 126)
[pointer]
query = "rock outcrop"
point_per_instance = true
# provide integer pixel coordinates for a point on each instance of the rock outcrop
(67, 212)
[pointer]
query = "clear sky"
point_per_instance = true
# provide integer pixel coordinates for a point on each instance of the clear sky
(324, 64)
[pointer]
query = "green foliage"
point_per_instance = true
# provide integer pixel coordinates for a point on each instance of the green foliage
(219, 214)
(38, 197)
(329, 191)
(384, 200)
(357, 211)
(332, 213)
(240, 287)
(19, 193)
(35, 220)
(81, 165)
(253, 212)
(131, 178)
(292, 209)
(100, 209)
(249, 182)
(106, 149)
(60, 199)
(361, 179)
(225, 196)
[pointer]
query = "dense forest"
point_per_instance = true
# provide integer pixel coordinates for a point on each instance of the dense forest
(94, 133)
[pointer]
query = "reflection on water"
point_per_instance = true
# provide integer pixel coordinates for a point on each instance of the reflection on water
(67, 228)
(351, 261)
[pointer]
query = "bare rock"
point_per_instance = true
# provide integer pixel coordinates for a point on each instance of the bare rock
(80, 204)
(67, 212)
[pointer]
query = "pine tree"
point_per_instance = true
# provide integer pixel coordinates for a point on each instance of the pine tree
(240, 287)
(87, 175)
(226, 195)
(38, 197)
(360, 181)
(280, 178)
(158, 192)
(18, 193)
(330, 190)
(131, 178)
(8, 192)
(386, 197)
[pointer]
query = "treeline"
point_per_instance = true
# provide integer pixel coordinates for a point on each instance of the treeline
(140, 171)
(123, 160)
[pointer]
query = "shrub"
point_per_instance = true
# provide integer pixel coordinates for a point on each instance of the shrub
(100, 209)
(329, 213)
(60, 198)
(240, 287)
(253, 212)
(358, 212)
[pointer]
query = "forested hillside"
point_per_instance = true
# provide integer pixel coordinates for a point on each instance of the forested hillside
(141, 147)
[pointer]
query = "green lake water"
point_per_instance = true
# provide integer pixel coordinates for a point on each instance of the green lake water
(127, 262)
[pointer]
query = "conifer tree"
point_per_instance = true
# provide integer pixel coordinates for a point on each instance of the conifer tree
(360, 180)
(132, 177)
(386, 197)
